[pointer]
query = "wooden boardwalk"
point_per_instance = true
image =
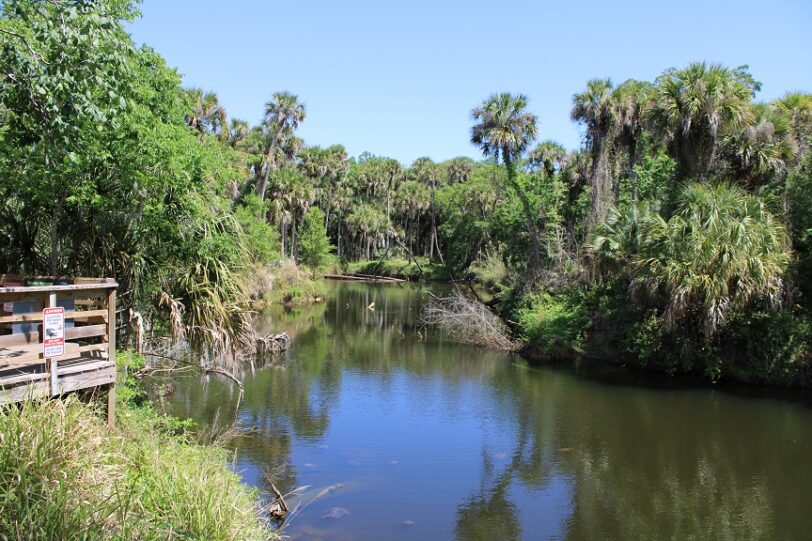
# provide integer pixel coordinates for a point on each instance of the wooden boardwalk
(89, 330)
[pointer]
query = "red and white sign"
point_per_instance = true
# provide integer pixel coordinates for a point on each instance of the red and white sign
(53, 332)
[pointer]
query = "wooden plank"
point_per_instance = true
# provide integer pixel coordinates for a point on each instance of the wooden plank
(88, 331)
(32, 354)
(47, 289)
(37, 389)
(70, 314)
(74, 279)
(22, 378)
(77, 368)
(86, 380)
(19, 339)
(40, 295)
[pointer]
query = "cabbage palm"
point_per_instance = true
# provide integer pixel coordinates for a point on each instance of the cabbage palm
(460, 169)
(763, 151)
(237, 131)
(283, 115)
(548, 155)
(797, 109)
(694, 108)
(207, 115)
(594, 109)
(504, 129)
(631, 101)
(721, 251)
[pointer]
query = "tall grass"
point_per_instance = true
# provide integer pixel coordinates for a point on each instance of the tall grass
(64, 476)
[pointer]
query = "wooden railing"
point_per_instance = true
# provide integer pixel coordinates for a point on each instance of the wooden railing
(90, 337)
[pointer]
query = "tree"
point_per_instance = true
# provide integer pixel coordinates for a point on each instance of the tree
(695, 107)
(314, 245)
(504, 129)
(207, 115)
(630, 102)
(283, 114)
(593, 107)
(722, 251)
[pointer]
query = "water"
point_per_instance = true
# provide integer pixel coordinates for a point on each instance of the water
(419, 438)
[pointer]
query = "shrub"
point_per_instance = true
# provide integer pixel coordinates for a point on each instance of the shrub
(314, 245)
(553, 325)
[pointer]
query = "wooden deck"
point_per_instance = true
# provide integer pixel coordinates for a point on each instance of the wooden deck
(89, 359)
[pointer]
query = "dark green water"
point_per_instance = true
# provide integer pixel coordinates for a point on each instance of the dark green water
(419, 438)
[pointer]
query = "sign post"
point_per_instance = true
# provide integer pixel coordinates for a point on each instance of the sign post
(53, 332)
(53, 339)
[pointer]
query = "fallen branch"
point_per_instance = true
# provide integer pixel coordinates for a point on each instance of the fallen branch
(226, 373)
(468, 321)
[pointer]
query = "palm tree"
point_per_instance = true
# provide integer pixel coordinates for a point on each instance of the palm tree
(694, 107)
(207, 115)
(721, 251)
(428, 173)
(548, 155)
(630, 101)
(797, 108)
(460, 169)
(283, 114)
(237, 131)
(763, 151)
(593, 107)
(504, 129)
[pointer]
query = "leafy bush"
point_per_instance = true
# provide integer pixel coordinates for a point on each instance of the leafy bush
(553, 325)
(261, 239)
(314, 246)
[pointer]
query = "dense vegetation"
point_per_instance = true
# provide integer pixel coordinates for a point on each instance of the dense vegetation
(676, 238)
(63, 475)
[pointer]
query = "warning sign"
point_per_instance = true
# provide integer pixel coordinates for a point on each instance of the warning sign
(53, 332)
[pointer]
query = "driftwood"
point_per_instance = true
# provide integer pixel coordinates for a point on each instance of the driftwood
(468, 321)
(273, 343)
(279, 507)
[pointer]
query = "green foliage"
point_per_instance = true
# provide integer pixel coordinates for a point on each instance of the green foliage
(261, 239)
(65, 476)
(723, 250)
(553, 325)
(314, 246)
(415, 270)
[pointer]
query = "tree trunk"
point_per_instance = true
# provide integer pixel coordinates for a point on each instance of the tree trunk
(534, 246)
(293, 246)
(600, 183)
(284, 233)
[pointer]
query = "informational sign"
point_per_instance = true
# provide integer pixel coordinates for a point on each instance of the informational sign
(53, 332)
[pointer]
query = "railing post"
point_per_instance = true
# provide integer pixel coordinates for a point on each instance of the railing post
(111, 355)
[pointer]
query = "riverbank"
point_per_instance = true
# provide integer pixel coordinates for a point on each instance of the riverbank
(65, 476)
(599, 324)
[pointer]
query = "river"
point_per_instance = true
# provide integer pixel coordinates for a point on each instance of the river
(394, 432)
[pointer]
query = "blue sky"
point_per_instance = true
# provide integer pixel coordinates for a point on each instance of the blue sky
(400, 78)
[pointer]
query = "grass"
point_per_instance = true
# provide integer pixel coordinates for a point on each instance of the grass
(65, 476)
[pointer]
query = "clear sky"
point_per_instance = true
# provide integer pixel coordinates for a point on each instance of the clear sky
(400, 78)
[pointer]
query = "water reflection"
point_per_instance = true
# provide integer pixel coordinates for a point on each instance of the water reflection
(420, 438)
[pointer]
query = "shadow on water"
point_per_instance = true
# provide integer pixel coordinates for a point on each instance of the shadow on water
(402, 435)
